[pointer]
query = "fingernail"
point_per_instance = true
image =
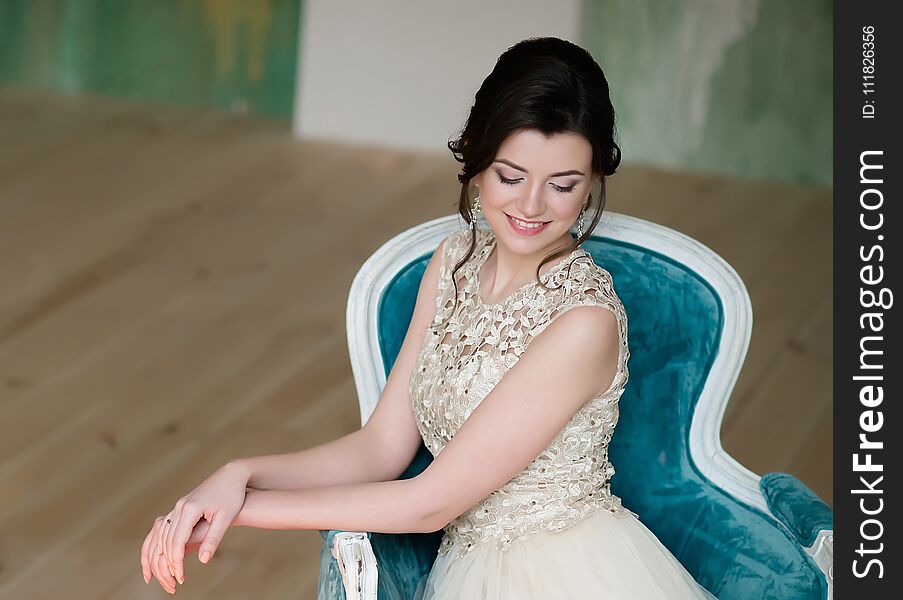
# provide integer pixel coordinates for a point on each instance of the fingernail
(180, 579)
(205, 556)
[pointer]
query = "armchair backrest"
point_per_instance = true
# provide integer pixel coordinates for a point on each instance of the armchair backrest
(689, 325)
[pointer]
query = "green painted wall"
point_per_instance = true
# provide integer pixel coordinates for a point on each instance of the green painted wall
(235, 54)
(739, 87)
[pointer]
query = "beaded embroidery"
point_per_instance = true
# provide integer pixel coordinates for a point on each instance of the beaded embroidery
(569, 480)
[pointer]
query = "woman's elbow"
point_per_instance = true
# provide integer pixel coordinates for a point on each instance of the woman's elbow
(432, 511)
(433, 522)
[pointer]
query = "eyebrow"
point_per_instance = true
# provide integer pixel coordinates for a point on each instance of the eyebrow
(519, 168)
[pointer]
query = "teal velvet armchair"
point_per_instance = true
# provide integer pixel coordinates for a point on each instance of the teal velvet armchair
(740, 535)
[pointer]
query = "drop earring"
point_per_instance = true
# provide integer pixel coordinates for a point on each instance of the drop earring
(580, 223)
(475, 209)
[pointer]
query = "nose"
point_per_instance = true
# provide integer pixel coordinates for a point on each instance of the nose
(531, 205)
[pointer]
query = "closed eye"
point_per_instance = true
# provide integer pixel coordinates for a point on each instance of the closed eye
(565, 190)
(507, 181)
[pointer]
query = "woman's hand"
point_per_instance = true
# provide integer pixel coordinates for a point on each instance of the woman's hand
(153, 563)
(199, 519)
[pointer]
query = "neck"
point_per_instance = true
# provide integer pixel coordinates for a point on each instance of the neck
(506, 270)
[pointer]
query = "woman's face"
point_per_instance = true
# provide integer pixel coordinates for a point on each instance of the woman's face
(544, 181)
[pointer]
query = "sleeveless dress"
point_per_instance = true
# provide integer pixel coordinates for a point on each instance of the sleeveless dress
(555, 530)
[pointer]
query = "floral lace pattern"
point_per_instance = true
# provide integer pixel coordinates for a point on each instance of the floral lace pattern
(459, 365)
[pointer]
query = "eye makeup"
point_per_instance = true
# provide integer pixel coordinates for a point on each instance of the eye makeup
(562, 189)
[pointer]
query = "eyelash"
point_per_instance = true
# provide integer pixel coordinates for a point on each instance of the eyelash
(564, 190)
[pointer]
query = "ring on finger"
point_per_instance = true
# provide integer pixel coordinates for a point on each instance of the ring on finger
(161, 534)
(166, 537)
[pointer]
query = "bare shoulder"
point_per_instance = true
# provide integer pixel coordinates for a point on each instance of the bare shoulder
(588, 337)
(585, 323)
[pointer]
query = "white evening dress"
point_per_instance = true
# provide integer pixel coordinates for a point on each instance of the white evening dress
(555, 530)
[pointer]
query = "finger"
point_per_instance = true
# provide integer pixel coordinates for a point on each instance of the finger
(151, 551)
(168, 539)
(167, 581)
(161, 572)
(188, 518)
(163, 537)
(154, 562)
(161, 532)
(145, 563)
(218, 527)
(158, 549)
(161, 544)
(197, 536)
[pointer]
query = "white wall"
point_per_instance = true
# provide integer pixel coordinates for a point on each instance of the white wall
(403, 74)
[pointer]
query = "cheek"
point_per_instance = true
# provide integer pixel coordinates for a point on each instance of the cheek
(565, 208)
(497, 195)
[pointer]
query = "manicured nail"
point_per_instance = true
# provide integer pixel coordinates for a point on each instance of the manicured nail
(180, 579)
(205, 556)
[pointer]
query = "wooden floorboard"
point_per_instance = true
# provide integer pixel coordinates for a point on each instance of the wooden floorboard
(172, 295)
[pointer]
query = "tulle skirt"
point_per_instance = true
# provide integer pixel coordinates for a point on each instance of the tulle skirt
(604, 556)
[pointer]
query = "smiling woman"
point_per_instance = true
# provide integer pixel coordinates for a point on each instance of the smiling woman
(526, 357)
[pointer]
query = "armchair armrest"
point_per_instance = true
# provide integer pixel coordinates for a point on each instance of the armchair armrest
(796, 506)
(394, 565)
(808, 518)
(347, 566)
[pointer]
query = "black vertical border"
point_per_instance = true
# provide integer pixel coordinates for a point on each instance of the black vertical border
(857, 248)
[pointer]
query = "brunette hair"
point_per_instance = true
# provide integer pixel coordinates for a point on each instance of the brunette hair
(547, 84)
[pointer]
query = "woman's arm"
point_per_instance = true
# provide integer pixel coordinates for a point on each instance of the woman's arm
(352, 458)
(504, 434)
(385, 446)
(349, 483)
(398, 506)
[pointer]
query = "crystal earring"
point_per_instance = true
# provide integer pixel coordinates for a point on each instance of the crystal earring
(580, 223)
(474, 211)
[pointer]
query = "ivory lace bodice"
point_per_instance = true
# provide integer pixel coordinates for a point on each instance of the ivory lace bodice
(460, 363)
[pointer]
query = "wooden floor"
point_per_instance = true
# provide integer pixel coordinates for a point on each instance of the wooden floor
(172, 295)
